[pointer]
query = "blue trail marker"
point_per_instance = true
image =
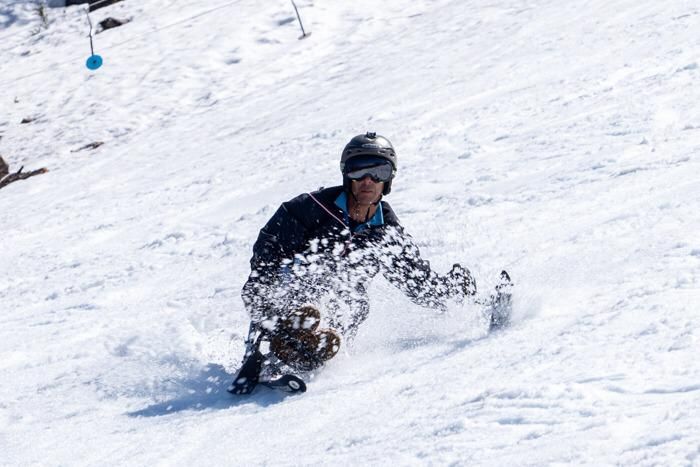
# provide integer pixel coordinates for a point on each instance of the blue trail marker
(95, 61)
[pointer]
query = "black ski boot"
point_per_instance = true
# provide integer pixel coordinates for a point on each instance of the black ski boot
(249, 374)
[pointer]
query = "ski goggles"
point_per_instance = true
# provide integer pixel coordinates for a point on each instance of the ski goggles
(378, 173)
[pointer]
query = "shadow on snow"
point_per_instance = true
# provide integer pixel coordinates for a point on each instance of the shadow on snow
(207, 391)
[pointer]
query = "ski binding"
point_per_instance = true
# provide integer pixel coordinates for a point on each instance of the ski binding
(248, 377)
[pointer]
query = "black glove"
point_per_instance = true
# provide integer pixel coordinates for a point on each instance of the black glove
(459, 282)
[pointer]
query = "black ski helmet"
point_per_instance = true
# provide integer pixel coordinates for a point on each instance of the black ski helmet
(369, 144)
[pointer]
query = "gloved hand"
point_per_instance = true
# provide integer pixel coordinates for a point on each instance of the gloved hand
(459, 282)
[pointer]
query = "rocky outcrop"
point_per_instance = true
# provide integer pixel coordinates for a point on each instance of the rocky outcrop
(109, 23)
(6, 177)
(94, 4)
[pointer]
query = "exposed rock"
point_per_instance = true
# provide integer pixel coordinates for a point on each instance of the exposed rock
(109, 23)
(6, 178)
(4, 168)
(94, 145)
(94, 4)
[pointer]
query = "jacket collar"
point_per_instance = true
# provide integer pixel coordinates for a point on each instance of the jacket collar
(377, 219)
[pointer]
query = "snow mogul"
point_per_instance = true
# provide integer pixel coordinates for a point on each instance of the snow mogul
(320, 250)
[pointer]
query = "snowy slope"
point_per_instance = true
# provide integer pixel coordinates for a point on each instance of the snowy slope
(557, 139)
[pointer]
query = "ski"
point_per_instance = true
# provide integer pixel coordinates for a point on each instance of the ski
(288, 383)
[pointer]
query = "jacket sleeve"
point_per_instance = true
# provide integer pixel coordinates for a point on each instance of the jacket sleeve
(279, 239)
(405, 269)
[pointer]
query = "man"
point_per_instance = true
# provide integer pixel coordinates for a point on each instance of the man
(321, 250)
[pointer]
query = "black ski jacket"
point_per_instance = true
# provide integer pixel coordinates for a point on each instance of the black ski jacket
(306, 251)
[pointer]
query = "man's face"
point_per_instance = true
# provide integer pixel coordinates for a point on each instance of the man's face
(366, 190)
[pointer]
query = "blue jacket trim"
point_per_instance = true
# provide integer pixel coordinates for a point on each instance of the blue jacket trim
(377, 219)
